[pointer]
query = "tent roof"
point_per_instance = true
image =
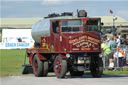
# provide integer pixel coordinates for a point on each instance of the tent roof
(18, 22)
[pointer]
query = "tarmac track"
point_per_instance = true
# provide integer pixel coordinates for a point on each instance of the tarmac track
(52, 80)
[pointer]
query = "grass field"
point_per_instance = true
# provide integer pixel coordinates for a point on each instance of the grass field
(125, 72)
(11, 62)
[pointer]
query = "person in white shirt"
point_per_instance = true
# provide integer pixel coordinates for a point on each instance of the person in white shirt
(118, 41)
(120, 55)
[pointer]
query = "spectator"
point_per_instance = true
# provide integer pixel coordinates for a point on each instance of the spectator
(112, 45)
(118, 41)
(107, 52)
(119, 55)
(119, 36)
(19, 40)
(106, 39)
(127, 40)
(123, 40)
(105, 48)
(126, 53)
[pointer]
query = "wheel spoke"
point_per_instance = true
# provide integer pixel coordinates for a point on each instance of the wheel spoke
(40, 68)
(58, 66)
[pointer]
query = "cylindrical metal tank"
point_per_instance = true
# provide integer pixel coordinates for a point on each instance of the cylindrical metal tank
(40, 28)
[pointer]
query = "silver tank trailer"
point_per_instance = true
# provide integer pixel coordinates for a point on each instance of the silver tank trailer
(40, 28)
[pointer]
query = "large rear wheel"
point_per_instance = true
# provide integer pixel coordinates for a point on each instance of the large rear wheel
(60, 67)
(96, 67)
(40, 68)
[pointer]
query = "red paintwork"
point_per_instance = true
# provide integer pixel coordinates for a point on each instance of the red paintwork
(35, 66)
(41, 57)
(78, 42)
(58, 68)
(32, 52)
(31, 58)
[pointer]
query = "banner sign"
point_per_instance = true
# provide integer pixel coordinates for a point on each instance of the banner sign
(16, 39)
(15, 45)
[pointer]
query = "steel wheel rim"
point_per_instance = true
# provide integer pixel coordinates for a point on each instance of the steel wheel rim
(58, 66)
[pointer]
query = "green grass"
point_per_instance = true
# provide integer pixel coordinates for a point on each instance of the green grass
(11, 62)
(124, 72)
(116, 72)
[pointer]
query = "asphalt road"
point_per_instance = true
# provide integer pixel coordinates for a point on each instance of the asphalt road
(52, 80)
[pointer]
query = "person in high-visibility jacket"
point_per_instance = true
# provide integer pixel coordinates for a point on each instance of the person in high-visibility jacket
(106, 49)
(108, 55)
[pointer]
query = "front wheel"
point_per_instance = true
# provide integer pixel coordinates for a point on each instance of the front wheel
(40, 68)
(60, 67)
(96, 67)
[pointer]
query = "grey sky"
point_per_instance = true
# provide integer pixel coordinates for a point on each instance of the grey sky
(41, 8)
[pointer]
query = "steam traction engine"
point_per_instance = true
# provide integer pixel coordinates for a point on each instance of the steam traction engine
(66, 43)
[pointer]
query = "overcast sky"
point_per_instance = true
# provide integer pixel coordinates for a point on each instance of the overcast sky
(41, 8)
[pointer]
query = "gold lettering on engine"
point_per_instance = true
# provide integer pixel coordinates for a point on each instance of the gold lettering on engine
(85, 42)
